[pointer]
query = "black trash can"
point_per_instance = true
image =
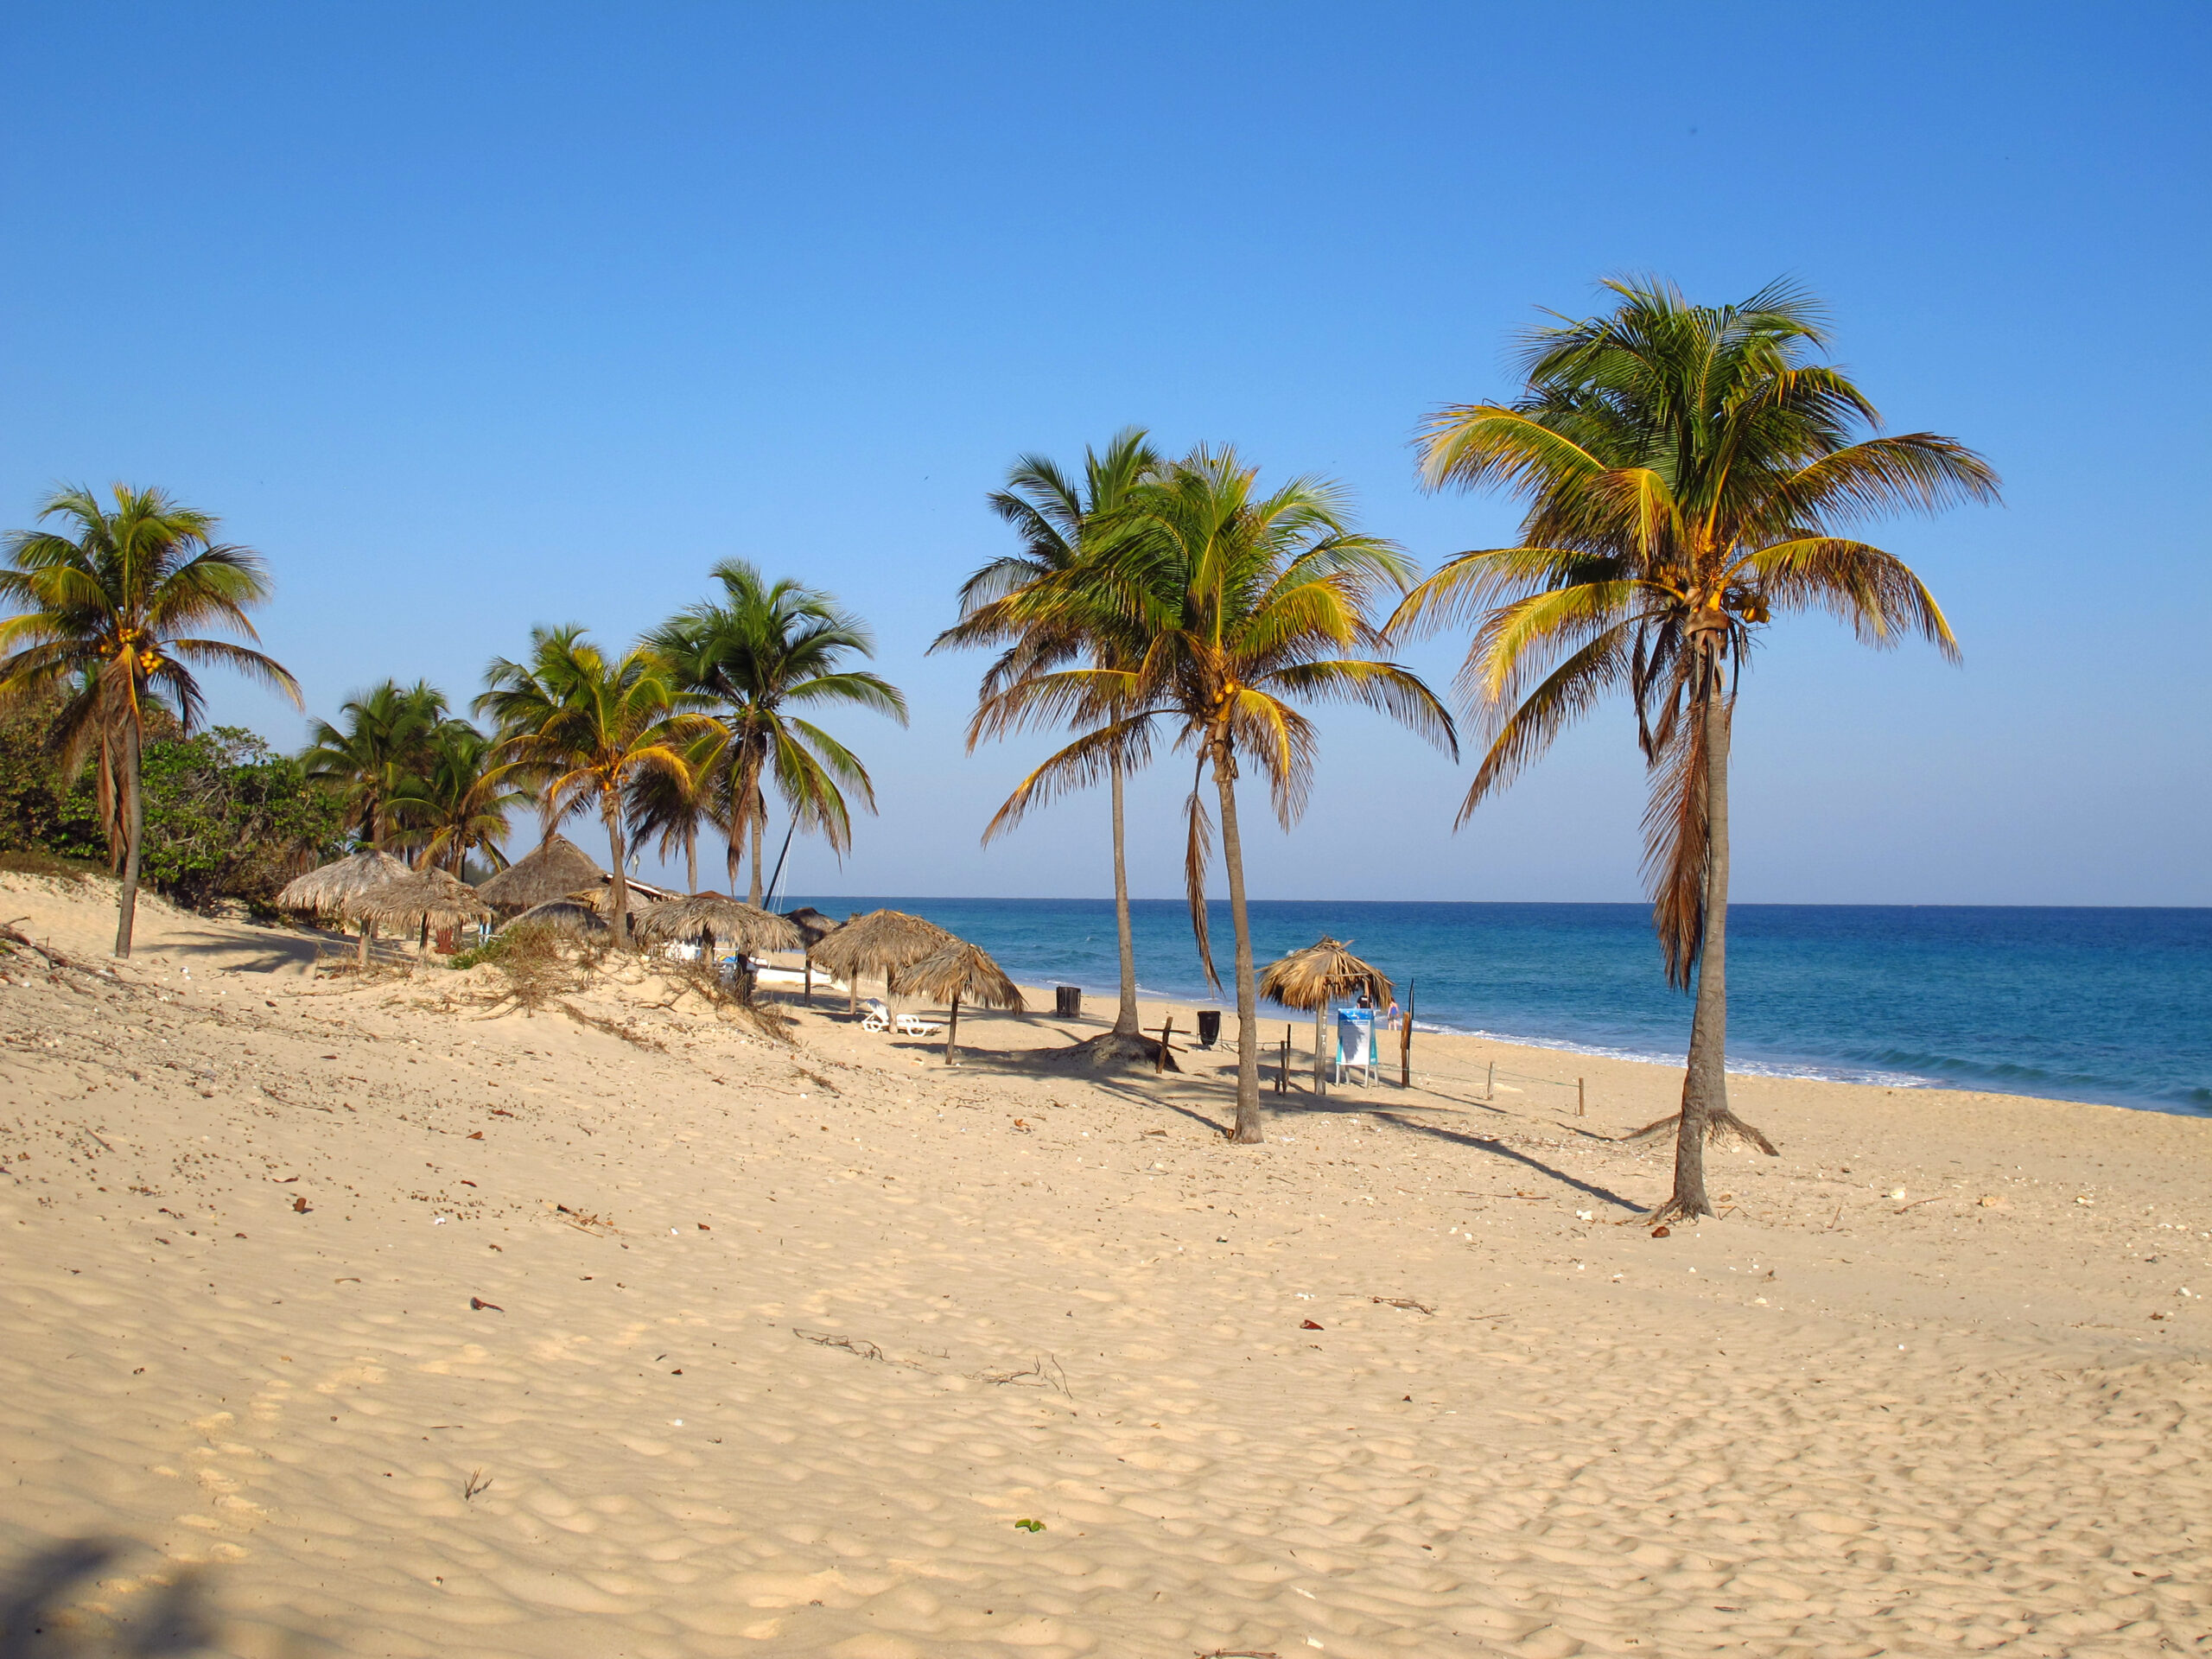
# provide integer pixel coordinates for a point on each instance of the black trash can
(1209, 1028)
(1067, 1001)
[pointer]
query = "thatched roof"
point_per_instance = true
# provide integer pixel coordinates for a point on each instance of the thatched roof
(813, 927)
(729, 921)
(329, 890)
(1309, 978)
(957, 969)
(428, 896)
(553, 871)
(563, 916)
(881, 942)
(642, 897)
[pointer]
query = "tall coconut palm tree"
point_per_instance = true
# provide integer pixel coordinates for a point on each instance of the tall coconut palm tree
(384, 736)
(754, 657)
(585, 728)
(1035, 604)
(1689, 471)
(111, 610)
(1246, 602)
(668, 809)
(458, 803)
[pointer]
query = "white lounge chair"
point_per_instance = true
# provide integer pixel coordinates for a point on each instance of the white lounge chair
(913, 1025)
(878, 1017)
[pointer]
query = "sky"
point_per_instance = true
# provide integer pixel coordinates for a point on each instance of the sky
(473, 318)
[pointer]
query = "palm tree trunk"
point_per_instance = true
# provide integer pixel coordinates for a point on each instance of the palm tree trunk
(691, 860)
(619, 920)
(753, 894)
(134, 830)
(1705, 1079)
(1125, 1018)
(1249, 1130)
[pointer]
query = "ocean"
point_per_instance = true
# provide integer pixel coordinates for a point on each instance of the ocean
(2077, 1004)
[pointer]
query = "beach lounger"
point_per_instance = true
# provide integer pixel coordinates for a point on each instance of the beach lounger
(913, 1025)
(878, 1017)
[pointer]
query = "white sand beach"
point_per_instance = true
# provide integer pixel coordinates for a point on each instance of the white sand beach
(366, 1318)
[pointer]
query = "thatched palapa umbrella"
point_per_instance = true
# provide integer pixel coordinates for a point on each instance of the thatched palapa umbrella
(563, 916)
(716, 917)
(958, 970)
(813, 928)
(425, 899)
(555, 869)
(882, 942)
(327, 891)
(1309, 978)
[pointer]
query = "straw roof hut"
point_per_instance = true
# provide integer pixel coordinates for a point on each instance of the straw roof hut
(958, 970)
(562, 916)
(327, 891)
(425, 899)
(813, 928)
(555, 869)
(1310, 977)
(882, 942)
(719, 918)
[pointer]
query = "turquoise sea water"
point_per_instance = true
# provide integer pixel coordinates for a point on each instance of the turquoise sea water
(2077, 1004)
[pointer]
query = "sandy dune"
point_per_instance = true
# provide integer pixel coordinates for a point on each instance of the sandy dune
(778, 1346)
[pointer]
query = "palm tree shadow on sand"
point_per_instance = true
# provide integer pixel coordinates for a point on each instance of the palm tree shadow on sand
(54, 1605)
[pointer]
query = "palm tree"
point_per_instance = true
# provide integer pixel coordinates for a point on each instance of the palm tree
(754, 656)
(671, 809)
(386, 736)
(1244, 601)
(107, 611)
(1035, 604)
(587, 727)
(458, 803)
(1690, 470)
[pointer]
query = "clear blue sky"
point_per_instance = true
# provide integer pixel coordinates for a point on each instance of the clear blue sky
(473, 317)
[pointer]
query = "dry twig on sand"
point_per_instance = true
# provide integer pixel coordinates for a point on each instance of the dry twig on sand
(1406, 1302)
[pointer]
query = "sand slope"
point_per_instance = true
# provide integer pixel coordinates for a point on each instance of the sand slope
(781, 1343)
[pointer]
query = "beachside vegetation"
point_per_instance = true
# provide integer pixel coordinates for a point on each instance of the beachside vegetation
(1692, 472)
(114, 615)
(1036, 605)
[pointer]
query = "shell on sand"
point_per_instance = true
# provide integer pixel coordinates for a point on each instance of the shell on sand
(327, 891)
(729, 921)
(553, 870)
(1309, 978)
(429, 898)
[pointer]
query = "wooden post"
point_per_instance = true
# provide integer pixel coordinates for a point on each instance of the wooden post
(1320, 1082)
(952, 1030)
(1489, 1089)
(1160, 1060)
(1406, 1040)
(1581, 1105)
(810, 979)
(1282, 1070)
